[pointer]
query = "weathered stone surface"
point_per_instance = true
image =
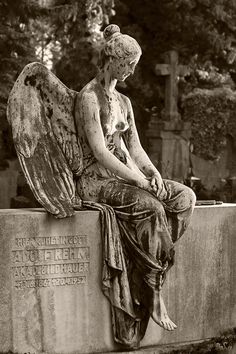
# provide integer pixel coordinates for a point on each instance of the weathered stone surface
(172, 71)
(169, 138)
(40, 313)
(169, 148)
(48, 316)
(79, 147)
(200, 291)
(41, 114)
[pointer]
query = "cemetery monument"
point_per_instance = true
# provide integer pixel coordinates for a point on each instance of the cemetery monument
(82, 151)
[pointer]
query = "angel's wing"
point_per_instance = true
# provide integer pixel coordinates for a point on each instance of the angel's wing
(41, 113)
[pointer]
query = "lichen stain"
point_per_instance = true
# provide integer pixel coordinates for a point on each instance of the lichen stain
(30, 80)
(49, 112)
(36, 122)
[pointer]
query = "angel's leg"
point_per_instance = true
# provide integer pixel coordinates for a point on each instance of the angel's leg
(179, 205)
(148, 245)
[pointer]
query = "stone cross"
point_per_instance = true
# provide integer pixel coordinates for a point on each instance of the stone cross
(172, 71)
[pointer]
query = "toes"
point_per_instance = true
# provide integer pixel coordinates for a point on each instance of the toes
(165, 325)
(170, 327)
(165, 322)
(173, 324)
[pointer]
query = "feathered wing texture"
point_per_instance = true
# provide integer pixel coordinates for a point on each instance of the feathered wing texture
(41, 114)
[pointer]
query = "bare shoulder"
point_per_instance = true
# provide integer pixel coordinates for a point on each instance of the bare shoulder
(89, 94)
(126, 101)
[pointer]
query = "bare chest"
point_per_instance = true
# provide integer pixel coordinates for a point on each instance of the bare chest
(113, 115)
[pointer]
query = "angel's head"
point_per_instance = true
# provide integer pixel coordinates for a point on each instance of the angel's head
(120, 54)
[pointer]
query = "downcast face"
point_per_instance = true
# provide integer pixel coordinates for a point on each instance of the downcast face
(122, 68)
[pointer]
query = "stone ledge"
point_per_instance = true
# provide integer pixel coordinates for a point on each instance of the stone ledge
(200, 291)
(43, 211)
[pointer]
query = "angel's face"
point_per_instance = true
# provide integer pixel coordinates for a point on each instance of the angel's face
(122, 68)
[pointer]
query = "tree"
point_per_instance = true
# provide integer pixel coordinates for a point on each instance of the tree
(202, 31)
(16, 50)
(78, 31)
(64, 35)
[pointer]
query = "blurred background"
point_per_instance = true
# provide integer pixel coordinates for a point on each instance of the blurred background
(185, 110)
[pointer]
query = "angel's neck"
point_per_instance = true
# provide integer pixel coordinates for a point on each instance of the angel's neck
(106, 80)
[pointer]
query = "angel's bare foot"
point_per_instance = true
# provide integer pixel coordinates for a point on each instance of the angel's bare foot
(160, 316)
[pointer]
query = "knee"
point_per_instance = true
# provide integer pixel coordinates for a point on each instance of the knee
(184, 201)
(180, 197)
(157, 207)
(190, 196)
(150, 204)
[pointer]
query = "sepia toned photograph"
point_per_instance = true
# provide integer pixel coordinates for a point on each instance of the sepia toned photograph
(117, 176)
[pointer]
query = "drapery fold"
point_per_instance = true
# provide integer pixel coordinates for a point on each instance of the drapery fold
(125, 267)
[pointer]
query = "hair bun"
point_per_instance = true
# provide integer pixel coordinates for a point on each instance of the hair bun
(110, 30)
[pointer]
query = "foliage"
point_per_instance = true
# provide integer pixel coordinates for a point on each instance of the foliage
(216, 345)
(66, 34)
(212, 113)
(47, 49)
(16, 49)
(61, 34)
(202, 31)
(78, 31)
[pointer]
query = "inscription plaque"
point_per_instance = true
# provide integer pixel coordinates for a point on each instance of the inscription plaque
(50, 261)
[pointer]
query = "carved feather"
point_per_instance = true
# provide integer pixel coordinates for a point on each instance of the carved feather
(41, 114)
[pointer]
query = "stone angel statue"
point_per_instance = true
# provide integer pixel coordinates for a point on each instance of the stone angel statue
(82, 149)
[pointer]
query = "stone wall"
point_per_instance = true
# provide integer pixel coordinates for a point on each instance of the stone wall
(50, 282)
(201, 287)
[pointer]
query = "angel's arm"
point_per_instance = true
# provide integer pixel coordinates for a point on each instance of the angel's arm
(89, 110)
(134, 146)
(137, 152)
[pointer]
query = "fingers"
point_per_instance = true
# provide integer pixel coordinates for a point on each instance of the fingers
(162, 195)
(156, 184)
(158, 187)
(161, 192)
(153, 184)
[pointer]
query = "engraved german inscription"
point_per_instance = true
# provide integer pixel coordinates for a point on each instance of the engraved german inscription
(50, 261)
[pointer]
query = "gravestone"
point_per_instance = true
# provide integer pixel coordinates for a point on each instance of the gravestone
(169, 136)
(51, 301)
(172, 71)
(50, 284)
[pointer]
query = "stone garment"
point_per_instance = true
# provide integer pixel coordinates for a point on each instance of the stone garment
(139, 235)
